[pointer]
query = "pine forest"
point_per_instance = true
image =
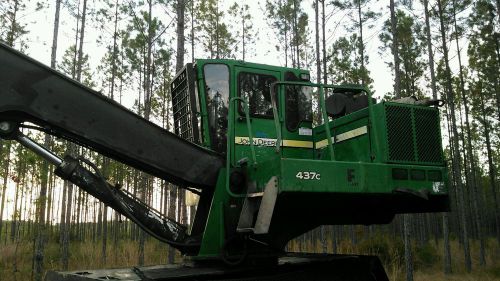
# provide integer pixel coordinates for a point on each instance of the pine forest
(130, 50)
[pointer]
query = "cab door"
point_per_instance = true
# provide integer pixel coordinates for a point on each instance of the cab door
(297, 123)
(253, 85)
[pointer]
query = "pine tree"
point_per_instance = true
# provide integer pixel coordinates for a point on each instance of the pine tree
(345, 65)
(457, 174)
(145, 49)
(409, 53)
(12, 30)
(244, 28)
(214, 34)
(395, 49)
(359, 19)
(290, 25)
(430, 53)
(180, 7)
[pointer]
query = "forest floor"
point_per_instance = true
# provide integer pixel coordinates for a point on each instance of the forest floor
(16, 259)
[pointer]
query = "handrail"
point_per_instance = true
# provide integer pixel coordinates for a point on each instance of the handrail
(322, 108)
(276, 117)
(230, 138)
(326, 122)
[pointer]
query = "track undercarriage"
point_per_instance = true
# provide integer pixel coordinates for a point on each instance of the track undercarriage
(296, 267)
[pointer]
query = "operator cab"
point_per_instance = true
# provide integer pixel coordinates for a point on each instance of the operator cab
(204, 117)
(202, 93)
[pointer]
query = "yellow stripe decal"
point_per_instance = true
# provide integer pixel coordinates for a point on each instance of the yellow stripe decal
(344, 136)
(303, 144)
(323, 143)
(297, 143)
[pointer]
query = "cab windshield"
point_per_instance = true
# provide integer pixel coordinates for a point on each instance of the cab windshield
(217, 96)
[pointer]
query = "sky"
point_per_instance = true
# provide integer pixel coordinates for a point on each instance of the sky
(40, 25)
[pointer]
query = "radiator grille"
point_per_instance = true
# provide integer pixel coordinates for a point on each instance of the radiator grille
(400, 133)
(413, 134)
(183, 100)
(428, 135)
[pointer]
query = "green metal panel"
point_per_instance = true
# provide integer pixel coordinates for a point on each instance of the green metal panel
(213, 236)
(353, 177)
(351, 138)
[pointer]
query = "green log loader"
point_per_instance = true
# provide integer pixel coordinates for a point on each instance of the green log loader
(270, 154)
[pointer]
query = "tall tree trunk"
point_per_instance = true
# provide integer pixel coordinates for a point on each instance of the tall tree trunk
(15, 213)
(78, 212)
(323, 39)
(41, 207)
(180, 8)
(316, 27)
(296, 33)
(114, 60)
(192, 31)
(243, 36)
(470, 171)
(217, 38)
(104, 234)
(62, 222)
(429, 49)
(50, 205)
(80, 48)
(408, 250)
(106, 161)
(361, 44)
(53, 54)
(171, 214)
(446, 242)
(318, 80)
(67, 227)
(334, 232)
(105, 173)
(145, 179)
(491, 165)
(285, 33)
(457, 174)
(11, 34)
(395, 50)
(6, 162)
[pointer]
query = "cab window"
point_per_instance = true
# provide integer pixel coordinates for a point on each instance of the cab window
(256, 89)
(217, 95)
(298, 103)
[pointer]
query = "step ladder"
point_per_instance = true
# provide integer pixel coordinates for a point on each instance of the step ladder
(258, 209)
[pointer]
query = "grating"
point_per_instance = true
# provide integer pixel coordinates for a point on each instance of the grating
(427, 132)
(413, 134)
(185, 121)
(399, 133)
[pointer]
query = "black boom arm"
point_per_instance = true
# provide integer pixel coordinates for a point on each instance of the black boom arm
(33, 92)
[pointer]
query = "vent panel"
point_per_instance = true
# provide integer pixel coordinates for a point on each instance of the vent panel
(413, 134)
(400, 133)
(183, 100)
(427, 132)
